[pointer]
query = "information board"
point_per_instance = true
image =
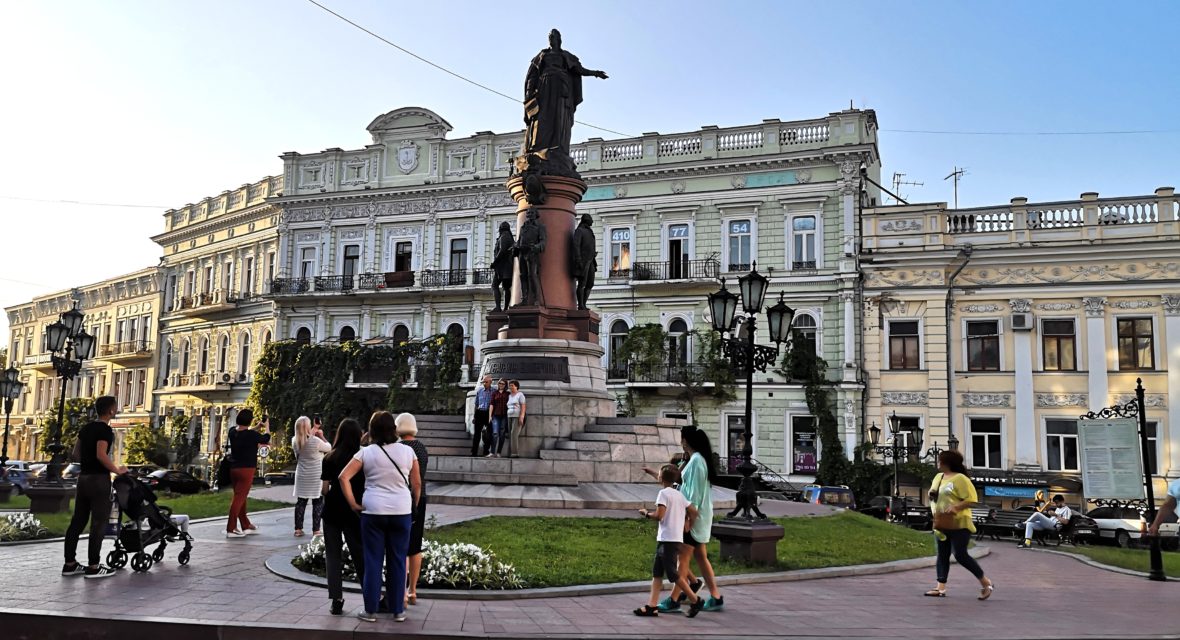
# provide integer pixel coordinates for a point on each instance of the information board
(1112, 462)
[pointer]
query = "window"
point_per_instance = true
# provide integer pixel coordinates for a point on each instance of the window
(803, 242)
(455, 330)
(140, 387)
(244, 353)
(227, 276)
(307, 262)
(170, 294)
(132, 330)
(223, 354)
(189, 279)
(1136, 344)
(803, 331)
(677, 343)
(678, 251)
(270, 266)
(401, 333)
(118, 391)
(740, 245)
(1152, 449)
(266, 337)
(403, 256)
(352, 259)
(347, 334)
(617, 367)
(1061, 445)
(203, 356)
(905, 350)
(303, 336)
(185, 353)
(167, 362)
(248, 277)
(1058, 351)
(208, 286)
(986, 451)
(620, 253)
(804, 454)
(458, 261)
(983, 345)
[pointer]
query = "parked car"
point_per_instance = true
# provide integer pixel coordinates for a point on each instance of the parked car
(140, 470)
(20, 465)
(68, 472)
(840, 496)
(19, 478)
(279, 477)
(1122, 525)
(174, 481)
(908, 511)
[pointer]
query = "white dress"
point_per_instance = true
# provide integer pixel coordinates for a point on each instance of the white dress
(309, 467)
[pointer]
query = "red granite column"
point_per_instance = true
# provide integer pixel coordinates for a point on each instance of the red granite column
(557, 214)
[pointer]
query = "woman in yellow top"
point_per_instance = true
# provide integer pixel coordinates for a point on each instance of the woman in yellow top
(952, 493)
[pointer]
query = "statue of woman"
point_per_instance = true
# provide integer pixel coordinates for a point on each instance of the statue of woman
(552, 91)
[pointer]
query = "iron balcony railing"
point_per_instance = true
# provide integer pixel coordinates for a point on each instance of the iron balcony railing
(125, 348)
(673, 372)
(676, 270)
(280, 286)
(798, 265)
(434, 279)
(336, 283)
(483, 276)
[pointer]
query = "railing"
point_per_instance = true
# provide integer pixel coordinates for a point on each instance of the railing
(398, 279)
(1128, 212)
(483, 276)
(1088, 211)
(616, 371)
(676, 270)
(738, 140)
(682, 146)
(619, 152)
(739, 266)
(802, 265)
(433, 279)
(280, 286)
(125, 348)
(336, 283)
(1056, 217)
(776, 480)
(619, 274)
(978, 220)
(580, 155)
(674, 372)
(804, 134)
(374, 375)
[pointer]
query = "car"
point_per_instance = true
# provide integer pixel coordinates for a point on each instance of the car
(902, 510)
(69, 472)
(279, 477)
(174, 481)
(140, 470)
(19, 465)
(19, 478)
(1121, 525)
(840, 496)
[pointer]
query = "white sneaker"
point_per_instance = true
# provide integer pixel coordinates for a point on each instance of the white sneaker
(399, 617)
(251, 532)
(234, 534)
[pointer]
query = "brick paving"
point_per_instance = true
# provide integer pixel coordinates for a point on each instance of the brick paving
(1038, 595)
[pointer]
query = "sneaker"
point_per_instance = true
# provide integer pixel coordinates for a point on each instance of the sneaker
(667, 606)
(399, 617)
(696, 585)
(366, 616)
(251, 531)
(1027, 544)
(99, 572)
(696, 607)
(75, 570)
(337, 607)
(714, 604)
(235, 534)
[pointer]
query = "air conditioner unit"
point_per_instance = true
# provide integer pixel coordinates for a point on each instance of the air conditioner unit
(241, 377)
(225, 377)
(218, 410)
(1022, 322)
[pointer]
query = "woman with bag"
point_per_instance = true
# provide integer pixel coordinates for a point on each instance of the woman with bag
(342, 525)
(309, 448)
(392, 488)
(951, 497)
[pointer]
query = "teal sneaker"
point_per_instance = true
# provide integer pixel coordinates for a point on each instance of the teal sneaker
(714, 604)
(667, 606)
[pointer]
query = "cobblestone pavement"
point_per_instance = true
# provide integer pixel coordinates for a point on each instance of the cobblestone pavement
(1037, 595)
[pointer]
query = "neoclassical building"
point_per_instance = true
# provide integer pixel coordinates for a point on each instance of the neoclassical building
(1003, 324)
(393, 241)
(219, 256)
(123, 313)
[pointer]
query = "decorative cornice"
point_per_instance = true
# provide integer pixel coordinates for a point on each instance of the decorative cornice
(905, 398)
(980, 308)
(1056, 306)
(1095, 307)
(1132, 304)
(1150, 400)
(1048, 400)
(986, 399)
(1020, 305)
(901, 226)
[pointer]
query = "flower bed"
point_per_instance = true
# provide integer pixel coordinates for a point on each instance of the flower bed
(444, 566)
(22, 526)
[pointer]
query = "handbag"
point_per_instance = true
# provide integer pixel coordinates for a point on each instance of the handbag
(223, 468)
(944, 521)
(403, 475)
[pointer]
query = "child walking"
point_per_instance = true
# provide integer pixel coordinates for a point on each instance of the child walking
(675, 515)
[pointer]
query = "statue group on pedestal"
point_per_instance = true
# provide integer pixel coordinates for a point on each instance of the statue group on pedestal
(528, 249)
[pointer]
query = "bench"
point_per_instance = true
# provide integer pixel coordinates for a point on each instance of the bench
(1006, 524)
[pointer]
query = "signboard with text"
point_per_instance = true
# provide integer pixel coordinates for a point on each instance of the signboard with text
(1111, 460)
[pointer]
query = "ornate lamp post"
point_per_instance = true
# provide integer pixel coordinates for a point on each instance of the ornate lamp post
(895, 450)
(749, 536)
(66, 337)
(10, 389)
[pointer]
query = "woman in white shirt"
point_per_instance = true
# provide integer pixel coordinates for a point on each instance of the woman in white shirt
(393, 486)
(516, 411)
(309, 447)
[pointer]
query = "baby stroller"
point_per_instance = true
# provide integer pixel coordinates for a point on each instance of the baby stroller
(147, 524)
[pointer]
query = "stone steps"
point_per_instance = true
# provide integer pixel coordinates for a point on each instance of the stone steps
(589, 495)
(642, 420)
(468, 477)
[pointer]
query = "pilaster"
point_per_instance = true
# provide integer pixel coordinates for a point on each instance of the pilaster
(1096, 350)
(1171, 305)
(1026, 430)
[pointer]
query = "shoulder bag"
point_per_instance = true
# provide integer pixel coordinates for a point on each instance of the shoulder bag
(223, 468)
(944, 521)
(414, 505)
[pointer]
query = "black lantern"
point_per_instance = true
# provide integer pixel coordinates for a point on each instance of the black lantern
(72, 319)
(779, 318)
(875, 434)
(83, 346)
(894, 424)
(917, 435)
(953, 443)
(55, 336)
(753, 287)
(722, 307)
(11, 375)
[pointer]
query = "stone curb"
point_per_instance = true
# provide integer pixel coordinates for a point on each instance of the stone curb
(86, 536)
(280, 565)
(1098, 565)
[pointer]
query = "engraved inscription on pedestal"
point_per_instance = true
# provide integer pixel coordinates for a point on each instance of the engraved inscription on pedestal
(529, 368)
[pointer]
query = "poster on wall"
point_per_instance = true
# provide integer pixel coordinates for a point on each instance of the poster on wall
(1112, 463)
(803, 450)
(735, 442)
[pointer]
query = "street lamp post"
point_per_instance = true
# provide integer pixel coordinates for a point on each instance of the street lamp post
(750, 536)
(895, 450)
(10, 389)
(66, 337)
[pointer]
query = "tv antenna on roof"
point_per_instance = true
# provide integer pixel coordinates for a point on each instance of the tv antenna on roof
(956, 174)
(898, 181)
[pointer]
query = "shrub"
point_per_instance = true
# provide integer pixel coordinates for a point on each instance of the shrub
(21, 526)
(444, 566)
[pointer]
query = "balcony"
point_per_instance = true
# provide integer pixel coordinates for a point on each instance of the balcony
(707, 269)
(673, 373)
(206, 381)
(209, 302)
(342, 283)
(437, 279)
(380, 377)
(130, 350)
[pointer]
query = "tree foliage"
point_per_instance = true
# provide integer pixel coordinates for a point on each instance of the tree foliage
(185, 449)
(78, 412)
(146, 444)
(647, 350)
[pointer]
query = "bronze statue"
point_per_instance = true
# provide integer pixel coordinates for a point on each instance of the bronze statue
(529, 246)
(502, 265)
(552, 92)
(584, 251)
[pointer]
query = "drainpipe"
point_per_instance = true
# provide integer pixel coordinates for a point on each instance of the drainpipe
(965, 255)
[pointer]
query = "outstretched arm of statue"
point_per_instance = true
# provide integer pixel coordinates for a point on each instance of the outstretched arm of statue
(583, 71)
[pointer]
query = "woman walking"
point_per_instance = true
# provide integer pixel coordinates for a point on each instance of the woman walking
(392, 487)
(697, 477)
(243, 452)
(951, 497)
(407, 430)
(309, 448)
(499, 417)
(342, 525)
(515, 412)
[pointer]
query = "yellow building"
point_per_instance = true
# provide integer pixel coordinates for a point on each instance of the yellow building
(122, 313)
(1003, 324)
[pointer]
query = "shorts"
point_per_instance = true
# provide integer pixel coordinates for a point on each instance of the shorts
(691, 541)
(667, 561)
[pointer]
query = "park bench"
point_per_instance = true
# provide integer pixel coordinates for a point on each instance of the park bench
(997, 524)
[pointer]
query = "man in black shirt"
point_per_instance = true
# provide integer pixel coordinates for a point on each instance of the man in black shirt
(93, 498)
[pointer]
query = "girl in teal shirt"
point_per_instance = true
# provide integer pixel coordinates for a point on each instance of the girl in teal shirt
(697, 476)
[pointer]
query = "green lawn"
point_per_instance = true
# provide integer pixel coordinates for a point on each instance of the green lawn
(548, 551)
(202, 505)
(1136, 559)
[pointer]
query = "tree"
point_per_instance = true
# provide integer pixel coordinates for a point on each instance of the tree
(184, 447)
(78, 412)
(146, 444)
(708, 378)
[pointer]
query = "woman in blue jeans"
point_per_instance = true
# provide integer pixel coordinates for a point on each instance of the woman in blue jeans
(393, 486)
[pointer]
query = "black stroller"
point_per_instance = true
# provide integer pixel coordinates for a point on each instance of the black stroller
(147, 524)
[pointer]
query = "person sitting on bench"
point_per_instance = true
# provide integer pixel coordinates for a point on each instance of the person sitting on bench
(1042, 522)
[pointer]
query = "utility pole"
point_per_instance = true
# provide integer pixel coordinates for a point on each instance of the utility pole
(898, 182)
(956, 174)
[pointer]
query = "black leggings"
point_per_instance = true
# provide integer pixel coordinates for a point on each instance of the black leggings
(956, 542)
(317, 510)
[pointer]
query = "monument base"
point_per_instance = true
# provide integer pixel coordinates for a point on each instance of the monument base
(543, 322)
(749, 541)
(49, 498)
(563, 381)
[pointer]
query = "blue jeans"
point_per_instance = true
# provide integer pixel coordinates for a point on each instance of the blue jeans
(498, 424)
(1038, 522)
(956, 543)
(386, 541)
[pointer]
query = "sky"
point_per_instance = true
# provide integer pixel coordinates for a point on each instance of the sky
(159, 104)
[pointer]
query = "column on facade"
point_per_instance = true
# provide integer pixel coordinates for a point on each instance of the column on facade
(326, 262)
(369, 260)
(1026, 432)
(427, 320)
(281, 257)
(1096, 351)
(476, 332)
(429, 253)
(1171, 304)
(939, 359)
(321, 324)
(479, 257)
(849, 319)
(366, 331)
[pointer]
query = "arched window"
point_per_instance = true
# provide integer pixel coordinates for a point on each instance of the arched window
(678, 342)
(401, 333)
(167, 361)
(617, 367)
(803, 332)
(244, 353)
(185, 354)
(223, 354)
(203, 356)
(303, 336)
(347, 334)
(455, 330)
(266, 338)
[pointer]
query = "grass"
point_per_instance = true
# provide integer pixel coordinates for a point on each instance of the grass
(549, 551)
(201, 505)
(1135, 559)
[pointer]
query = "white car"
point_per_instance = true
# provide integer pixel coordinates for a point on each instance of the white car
(1120, 524)
(19, 465)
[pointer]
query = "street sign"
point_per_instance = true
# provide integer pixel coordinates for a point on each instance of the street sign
(1112, 464)
(263, 451)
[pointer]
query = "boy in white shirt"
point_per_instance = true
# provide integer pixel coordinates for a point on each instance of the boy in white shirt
(676, 515)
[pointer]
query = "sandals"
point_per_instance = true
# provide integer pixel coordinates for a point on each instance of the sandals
(412, 598)
(935, 593)
(986, 592)
(647, 611)
(299, 533)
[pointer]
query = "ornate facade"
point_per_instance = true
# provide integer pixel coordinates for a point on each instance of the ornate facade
(1003, 324)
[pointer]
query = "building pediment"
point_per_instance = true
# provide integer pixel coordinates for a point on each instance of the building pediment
(408, 120)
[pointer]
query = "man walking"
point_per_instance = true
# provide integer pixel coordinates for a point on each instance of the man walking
(93, 498)
(482, 418)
